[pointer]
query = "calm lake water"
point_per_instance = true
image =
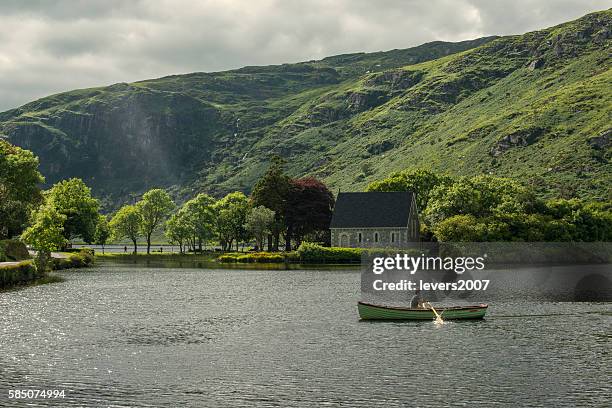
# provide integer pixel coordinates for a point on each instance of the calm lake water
(126, 335)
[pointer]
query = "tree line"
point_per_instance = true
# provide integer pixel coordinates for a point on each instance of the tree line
(489, 208)
(284, 211)
(279, 207)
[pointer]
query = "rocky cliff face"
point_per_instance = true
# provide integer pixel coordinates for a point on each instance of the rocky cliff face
(513, 106)
(124, 144)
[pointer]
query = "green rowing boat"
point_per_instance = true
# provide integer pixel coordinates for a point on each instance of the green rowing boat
(369, 311)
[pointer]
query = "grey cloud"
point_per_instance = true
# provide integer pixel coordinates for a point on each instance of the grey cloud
(519, 16)
(48, 47)
(62, 10)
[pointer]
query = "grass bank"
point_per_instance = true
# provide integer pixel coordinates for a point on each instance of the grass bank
(81, 259)
(18, 273)
(236, 260)
(205, 256)
(204, 260)
(47, 278)
(25, 272)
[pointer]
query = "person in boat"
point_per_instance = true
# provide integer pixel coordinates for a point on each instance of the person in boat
(417, 300)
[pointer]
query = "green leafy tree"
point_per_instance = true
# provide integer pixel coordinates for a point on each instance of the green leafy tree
(461, 228)
(126, 224)
(73, 199)
(178, 231)
(154, 208)
(231, 213)
(589, 221)
(186, 221)
(259, 223)
(595, 222)
(103, 231)
(419, 181)
(272, 191)
(19, 188)
(45, 234)
(499, 209)
(558, 231)
(198, 214)
(460, 198)
(480, 196)
(487, 208)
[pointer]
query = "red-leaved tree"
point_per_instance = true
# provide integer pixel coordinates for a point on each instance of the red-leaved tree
(308, 209)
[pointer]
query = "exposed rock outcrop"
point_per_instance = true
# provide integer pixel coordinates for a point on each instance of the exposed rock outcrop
(520, 138)
(362, 101)
(394, 80)
(602, 141)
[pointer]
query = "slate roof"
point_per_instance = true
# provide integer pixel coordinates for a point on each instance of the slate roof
(370, 210)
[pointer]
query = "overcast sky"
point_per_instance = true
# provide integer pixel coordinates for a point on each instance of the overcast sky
(52, 46)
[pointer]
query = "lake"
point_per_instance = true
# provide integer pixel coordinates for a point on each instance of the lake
(128, 335)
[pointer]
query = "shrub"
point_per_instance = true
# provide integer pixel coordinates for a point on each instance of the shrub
(82, 259)
(255, 257)
(22, 272)
(88, 256)
(76, 261)
(264, 257)
(227, 258)
(313, 253)
(60, 263)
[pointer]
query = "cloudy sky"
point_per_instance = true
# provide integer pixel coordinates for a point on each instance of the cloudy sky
(53, 46)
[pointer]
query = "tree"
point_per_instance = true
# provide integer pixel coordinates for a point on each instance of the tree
(259, 223)
(309, 209)
(198, 215)
(460, 228)
(153, 209)
(73, 199)
(419, 181)
(19, 188)
(589, 221)
(126, 224)
(487, 208)
(103, 231)
(231, 213)
(178, 231)
(272, 191)
(45, 234)
(480, 196)
(594, 222)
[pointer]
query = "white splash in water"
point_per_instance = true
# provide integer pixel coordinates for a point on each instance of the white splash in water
(439, 321)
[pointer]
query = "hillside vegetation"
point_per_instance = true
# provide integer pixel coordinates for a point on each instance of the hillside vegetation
(534, 107)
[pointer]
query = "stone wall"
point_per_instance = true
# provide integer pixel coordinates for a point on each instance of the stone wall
(373, 237)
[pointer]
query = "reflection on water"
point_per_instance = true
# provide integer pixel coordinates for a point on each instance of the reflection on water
(125, 335)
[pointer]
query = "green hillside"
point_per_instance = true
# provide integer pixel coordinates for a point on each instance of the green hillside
(535, 107)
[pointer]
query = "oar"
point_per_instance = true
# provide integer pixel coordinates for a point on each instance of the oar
(438, 317)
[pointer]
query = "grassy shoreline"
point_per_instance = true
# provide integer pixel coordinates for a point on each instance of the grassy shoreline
(224, 260)
(206, 256)
(24, 273)
(49, 278)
